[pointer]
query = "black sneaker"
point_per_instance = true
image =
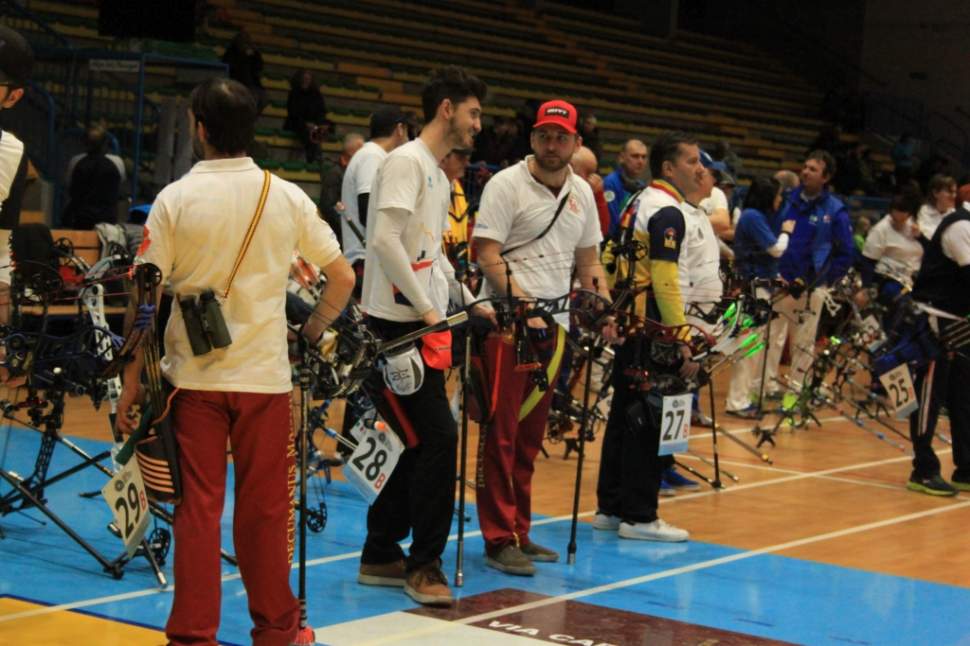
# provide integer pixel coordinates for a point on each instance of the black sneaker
(960, 484)
(933, 486)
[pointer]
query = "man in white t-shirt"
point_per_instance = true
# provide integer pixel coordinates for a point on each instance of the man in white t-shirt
(408, 283)
(16, 63)
(238, 394)
(537, 222)
(389, 128)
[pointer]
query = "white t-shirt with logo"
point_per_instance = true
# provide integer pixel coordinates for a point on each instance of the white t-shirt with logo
(358, 179)
(515, 208)
(193, 234)
(897, 255)
(409, 179)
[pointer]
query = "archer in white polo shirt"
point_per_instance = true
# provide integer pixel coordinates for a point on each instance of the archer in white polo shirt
(537, 222)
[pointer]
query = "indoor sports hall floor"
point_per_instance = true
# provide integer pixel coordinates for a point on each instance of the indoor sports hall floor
(824, 546)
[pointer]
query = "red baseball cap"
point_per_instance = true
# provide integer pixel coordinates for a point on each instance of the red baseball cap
(557, 113)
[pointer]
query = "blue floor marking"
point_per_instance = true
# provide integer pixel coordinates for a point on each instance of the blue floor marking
(766, 595)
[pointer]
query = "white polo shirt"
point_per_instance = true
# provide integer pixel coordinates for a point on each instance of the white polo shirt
(897, 255)
(515, 208)
(409, 179)
(358, 179)
(701, 283)
(193, 234)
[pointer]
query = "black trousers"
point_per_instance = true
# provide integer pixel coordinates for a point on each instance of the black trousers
(951, 388)
(630, 469)
(419, 497)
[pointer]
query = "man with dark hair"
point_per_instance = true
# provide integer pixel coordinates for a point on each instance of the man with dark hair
(625, 180)
(227, 111)
(820, 251)
(407, 283)
(457, 86)
(631, 468)
(227, 215)
(536, 225)
(389, 128)
(16, 63)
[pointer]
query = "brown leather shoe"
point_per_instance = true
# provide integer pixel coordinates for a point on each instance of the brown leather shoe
(428, 586)
(390, 574)
(511, 560)
(536, 552)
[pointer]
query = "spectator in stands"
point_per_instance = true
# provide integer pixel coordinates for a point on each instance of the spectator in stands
(499, 143)
(821, 250)
(331, 182)
(94, 186)
(246, 66)
(590, 132)
(626, 179)
(829, 139)
(935, 164)
(584, 164)
(855, 173)
(756, 253)
(306, 114)
(725, 153)
(16, 63)
(389, 128)
(113, 158)
(460, 221)
(524, 117)
(788, 179)
(860, 231)
(941, 198)
(903, 161)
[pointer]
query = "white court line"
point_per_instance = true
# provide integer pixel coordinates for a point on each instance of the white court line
(543, 521)
(765, 467)
(791, 478)
(686, 569)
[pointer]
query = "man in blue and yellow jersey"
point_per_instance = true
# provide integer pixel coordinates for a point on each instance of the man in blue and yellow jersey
(631, 469)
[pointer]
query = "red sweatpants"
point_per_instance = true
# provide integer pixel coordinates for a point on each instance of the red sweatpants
(509, 445)
(259, 429)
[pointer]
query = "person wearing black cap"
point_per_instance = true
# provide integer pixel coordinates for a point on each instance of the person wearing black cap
(16, 62)
(389, 128)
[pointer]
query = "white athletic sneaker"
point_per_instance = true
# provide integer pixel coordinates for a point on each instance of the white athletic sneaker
(658, 530)
(606, 522)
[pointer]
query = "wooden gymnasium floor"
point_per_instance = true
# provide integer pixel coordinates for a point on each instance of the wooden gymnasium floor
(824, 545)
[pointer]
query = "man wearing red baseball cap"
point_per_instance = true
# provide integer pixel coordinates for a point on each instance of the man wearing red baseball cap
(537, 221)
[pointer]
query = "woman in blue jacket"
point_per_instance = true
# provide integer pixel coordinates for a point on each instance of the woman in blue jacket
(756, 253)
